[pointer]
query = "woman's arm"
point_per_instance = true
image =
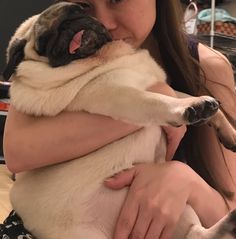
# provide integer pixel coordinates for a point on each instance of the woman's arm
(219, 78)
(31, 142)
(209, 203)
(220, 82)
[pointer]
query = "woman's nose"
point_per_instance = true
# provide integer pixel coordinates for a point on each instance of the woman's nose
(107, 18)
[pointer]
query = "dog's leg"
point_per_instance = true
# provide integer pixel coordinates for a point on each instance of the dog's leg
(189, 227)
(224, 229)
(142, 107)
(225, 131)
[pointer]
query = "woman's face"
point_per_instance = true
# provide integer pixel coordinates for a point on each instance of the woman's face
(129, 20)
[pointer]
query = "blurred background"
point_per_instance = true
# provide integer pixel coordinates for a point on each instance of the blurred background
(12, 13)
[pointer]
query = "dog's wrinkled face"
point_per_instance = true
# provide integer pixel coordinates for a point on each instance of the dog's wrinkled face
(62, 33)
(65, 32)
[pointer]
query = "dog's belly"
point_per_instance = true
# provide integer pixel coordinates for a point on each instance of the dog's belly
(53, 200)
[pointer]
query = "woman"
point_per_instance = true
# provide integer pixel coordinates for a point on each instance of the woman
(158, 193)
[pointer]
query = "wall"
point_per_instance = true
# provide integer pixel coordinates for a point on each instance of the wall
(12, 13)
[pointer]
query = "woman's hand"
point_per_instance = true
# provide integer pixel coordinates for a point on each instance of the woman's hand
(156, 199)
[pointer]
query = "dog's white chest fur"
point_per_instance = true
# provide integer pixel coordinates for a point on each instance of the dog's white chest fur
(72, 194)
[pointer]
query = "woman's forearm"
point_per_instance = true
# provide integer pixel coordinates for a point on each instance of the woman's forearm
(31, 142)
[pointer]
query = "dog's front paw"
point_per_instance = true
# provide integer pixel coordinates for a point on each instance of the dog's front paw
(201, 111)
(226, 228)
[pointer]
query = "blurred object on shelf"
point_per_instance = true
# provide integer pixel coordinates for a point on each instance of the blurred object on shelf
(4, 99)
(224, 22)
(228, 5)
(219, 15)
(190, 18)
(203, 3)
(224, 32)
(4, 88)
(4, 105)
(226, 28)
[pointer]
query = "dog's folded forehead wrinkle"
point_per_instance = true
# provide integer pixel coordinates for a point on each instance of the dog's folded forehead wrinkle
(39, 29)
(55, 14)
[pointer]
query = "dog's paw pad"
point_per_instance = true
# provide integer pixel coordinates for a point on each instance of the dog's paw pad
(201, 112)
(211, 106)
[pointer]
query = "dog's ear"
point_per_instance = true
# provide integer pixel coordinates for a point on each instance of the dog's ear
(15, 56)
(42, 43)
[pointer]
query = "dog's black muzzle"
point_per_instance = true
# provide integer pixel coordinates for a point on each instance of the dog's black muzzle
(64, 32)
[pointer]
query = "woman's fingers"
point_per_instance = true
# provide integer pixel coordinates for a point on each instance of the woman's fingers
(167, 233)
(151, 207)
(154, 230)
(142, 224)
(126, 219)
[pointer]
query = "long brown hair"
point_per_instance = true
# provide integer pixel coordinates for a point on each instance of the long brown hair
(179, 64)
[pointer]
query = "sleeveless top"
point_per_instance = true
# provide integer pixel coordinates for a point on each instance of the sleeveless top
(193, 48)
(182, 86)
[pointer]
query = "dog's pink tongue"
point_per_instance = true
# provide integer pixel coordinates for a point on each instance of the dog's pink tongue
(75, 42)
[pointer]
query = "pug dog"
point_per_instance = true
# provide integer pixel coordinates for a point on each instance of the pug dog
(64, 60)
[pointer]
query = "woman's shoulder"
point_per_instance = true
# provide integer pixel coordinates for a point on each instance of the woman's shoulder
(215, 65)
(212, 58)
(219, 78)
